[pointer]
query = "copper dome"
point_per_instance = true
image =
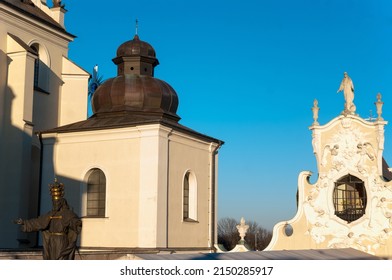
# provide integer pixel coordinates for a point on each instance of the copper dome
(135, 90)
(137, 94)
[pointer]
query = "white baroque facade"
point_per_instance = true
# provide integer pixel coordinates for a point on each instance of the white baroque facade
(350, 204)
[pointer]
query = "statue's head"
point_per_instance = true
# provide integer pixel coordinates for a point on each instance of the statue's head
(59, 204)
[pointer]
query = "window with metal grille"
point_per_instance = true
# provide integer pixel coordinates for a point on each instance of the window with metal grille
(96, 193)
(349, 198)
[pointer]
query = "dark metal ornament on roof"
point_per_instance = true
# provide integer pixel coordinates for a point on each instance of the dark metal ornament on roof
(135, 90)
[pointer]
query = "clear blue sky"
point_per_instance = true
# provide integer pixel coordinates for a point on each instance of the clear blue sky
(247, 72)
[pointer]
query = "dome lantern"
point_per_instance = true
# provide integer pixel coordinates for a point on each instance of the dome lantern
(136, 57)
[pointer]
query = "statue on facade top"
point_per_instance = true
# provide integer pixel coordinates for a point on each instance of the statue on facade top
(347, 87)
(315, 110)
(379, 104)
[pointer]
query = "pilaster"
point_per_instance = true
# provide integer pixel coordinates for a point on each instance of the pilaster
(154, 154)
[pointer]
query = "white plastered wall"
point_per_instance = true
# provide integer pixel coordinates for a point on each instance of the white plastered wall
(144, 168)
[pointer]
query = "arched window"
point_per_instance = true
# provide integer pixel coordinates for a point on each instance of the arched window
(35, 47)
(349, 198)
(41, 67)
(96, 193)
(190, 197)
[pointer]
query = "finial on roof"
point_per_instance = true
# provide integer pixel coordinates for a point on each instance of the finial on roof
(57, 3)
(136, 26)
(242, 229)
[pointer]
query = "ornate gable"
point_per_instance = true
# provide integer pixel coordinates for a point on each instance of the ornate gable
(350, 204)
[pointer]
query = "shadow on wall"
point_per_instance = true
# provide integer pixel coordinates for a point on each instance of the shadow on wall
(46, 99)
(20, 150)
(17, 196)
(73, 189)
(72, 194)
(15, 155)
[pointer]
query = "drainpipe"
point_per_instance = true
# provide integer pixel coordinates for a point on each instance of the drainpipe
(167, 192)
(167, 188)
(39, 134)
(213, 194)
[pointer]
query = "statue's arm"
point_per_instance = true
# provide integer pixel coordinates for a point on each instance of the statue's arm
(36, 224)
(341, 87)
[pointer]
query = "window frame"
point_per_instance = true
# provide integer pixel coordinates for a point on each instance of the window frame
(349, 198)
(189, 197)
(42, 65)
(100, 193)
(35, 47)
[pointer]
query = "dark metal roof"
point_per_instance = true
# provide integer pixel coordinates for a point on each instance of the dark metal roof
(35, 13)
(136, 47)
(126, 119)
(134, 93)
(319, 254)
(385, 170)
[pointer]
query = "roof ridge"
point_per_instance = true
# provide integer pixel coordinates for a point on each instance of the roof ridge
(36, 13)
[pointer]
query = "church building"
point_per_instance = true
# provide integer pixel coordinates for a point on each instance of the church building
(350, 204)
(138, 178)
(140, 181)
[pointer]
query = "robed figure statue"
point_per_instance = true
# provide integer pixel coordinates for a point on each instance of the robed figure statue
(60, 227)
(347, 87)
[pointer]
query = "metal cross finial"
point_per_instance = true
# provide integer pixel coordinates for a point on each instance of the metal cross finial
(137, 26)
